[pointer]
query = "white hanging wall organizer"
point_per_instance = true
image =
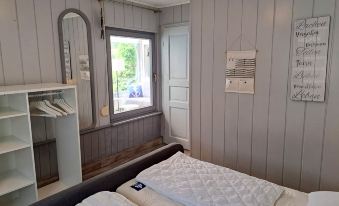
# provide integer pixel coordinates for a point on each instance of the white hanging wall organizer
(18, 185)
(240, 71)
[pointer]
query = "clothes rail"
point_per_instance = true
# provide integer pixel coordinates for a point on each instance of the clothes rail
(45, 94)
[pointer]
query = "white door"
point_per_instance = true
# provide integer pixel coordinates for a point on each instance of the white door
(175, 84)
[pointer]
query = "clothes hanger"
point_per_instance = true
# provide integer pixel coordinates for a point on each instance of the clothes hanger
(63, 105)
(48, 103)
(40, 107)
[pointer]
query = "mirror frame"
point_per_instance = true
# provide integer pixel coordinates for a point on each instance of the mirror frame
(90, 57)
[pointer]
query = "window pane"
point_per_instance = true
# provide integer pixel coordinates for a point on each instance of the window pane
(131, 73)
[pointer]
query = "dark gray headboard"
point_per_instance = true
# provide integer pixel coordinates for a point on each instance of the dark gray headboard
(110, 180)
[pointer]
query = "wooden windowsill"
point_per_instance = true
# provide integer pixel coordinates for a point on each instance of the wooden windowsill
(114, 124)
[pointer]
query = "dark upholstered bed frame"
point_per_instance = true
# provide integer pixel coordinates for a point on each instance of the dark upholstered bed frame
(110, 180)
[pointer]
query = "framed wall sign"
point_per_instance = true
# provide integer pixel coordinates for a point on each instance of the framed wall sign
(310, 48)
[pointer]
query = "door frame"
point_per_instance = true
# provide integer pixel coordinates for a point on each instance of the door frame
(162, 28)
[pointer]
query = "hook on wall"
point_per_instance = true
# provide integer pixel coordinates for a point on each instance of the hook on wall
(102, 18)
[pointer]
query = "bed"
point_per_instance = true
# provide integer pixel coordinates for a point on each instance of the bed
(122, 178)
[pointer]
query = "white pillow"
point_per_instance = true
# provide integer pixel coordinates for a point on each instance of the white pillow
(106, 198)
(323, 198)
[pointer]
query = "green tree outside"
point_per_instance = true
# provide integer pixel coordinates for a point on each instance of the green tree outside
(126, 52)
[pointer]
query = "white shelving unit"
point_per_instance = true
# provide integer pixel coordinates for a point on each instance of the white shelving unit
(18, 184)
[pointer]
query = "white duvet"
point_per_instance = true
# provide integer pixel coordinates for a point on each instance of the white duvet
(193, 182)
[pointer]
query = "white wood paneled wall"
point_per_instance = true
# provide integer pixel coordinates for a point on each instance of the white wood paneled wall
(266, 135)
(29, 42)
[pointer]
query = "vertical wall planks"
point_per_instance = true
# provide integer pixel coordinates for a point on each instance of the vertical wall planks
(88, 148)
(44, 161)
(128, 13)
(114, 131)
(122, 137)
(72, 3)
(329, 179)
(315, 118)
(108, 141)
(157, 126)
(262, 87)
(177, 14)
(53, 159)
(100, 63)
(137, 17)
(147, 129)
(102, 144)
(87, 8)
(45, 40)
(10, 45)
(119, 18)
(82, 149)
(109, 13)
(28, 41)
(167, 16)
(141, 131)
(185, 13)
(149, 20)
(292, 144)
(278, 91)
(174, 15)
(37, 163)
(220, 34)
(130, 134)
(248, 42)
(57, 7)
(95, 145)
(137, 138)
(206, 82)
(232, 100)
(295, 116)
(196, 48)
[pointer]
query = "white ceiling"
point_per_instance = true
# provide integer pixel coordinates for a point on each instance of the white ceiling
(160, 3)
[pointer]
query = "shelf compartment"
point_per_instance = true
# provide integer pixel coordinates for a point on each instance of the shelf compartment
(23, 196)
(7, 112)
(11, 143)
(51, 189)
(13, 180)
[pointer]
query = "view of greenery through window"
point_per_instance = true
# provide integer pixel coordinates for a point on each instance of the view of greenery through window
(131, 73)
(126, 52)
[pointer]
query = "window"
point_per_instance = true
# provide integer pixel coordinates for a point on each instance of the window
(131, 71)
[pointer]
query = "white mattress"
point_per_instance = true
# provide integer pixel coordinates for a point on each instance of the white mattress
(197, 183)
(148, 197)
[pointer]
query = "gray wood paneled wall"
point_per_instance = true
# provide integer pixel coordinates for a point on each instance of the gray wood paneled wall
(109, 141)
(267, 135)
(175, 14)
(29, 42)
(29, 53)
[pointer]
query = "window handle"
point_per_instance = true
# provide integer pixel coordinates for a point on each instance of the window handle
(155, 77)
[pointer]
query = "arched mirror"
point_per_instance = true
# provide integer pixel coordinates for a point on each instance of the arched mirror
(77, 62)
